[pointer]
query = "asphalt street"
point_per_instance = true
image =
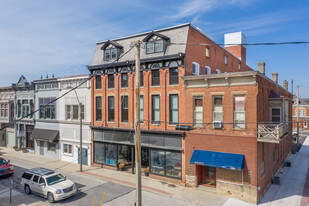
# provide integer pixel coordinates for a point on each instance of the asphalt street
(88, 189)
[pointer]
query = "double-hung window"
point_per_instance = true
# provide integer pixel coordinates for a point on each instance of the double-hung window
(141, 79)
(48, 111)
(110, 54)
(173, 75)
(141, 105)
(174, 109)
(110, 83)
(155, 109)
(218, 108)
(155, 75)
(198, 111)
(124, 80)
(154, 45)
(98, 109)
(67, 149)
(111, 114)
(98, 82)
(124, 108)
(207, 70)
(240, 112)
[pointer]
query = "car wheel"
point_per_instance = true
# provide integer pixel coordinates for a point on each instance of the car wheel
(27, 190)
(50, 197)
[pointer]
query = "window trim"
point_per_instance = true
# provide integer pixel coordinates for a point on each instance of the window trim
(98, 117)
(123, 98)
(110, 50)
(213, 107)
(194, 111)
(154, 43)
(154, 83)
(98, 84)
(171, 109)
(271, 115)
(153, 121)
(109, 83)
(109, 109)
(234, 113)
(197, 72)
(124, 83)
(173, 79)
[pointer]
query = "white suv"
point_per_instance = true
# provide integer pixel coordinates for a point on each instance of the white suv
(47, 183)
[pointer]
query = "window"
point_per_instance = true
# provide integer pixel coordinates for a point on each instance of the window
(198, 111)
(25, 108)
(218, 108)
(173, 109)
(165, 163)
(49, 111)
(155, 75)
(155, 45)
(155, 109)
(239, 112)
(35, 178)
(110, 54)
(51, 147)
(31, 108)
(141, 105)
(195, 68)
(276, 115)
(27, 176)
(72, 112)
(30, 143)
(105, 153)
(124, 80)
(18, 108)
(141, 79)
(207, 52)
(218, 71)
(110, 81)
(173, 76)
(98, 108)
(305, 123)
(207, 70)
(98, 82)
(67, 148)
(239, 66)
(111, 115)
(124, 108)
(42, 181)
(225, 59)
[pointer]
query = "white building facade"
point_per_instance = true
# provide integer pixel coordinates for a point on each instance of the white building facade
(46, 132)
(69, 119)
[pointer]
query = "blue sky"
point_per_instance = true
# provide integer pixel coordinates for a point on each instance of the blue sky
(45, 37)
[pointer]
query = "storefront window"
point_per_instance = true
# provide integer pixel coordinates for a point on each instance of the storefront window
(173, 164)
(157, 162)
(110, 153)
(99, 153)
(124, 154)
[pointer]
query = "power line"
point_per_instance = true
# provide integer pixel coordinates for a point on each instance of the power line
(247, 44)
(72, 89)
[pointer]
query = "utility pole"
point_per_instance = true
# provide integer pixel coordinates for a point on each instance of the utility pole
(81, 137)
(137, 126)
(297, 120)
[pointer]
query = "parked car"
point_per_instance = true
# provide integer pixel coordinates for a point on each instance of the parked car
(5, 167)
(47, 183)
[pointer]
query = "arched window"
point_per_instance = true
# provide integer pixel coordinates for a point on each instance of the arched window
(173, 73)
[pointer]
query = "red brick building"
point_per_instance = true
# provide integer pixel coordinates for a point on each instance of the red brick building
(233, 133)
(303, 114)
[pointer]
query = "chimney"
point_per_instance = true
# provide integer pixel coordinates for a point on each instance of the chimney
(261, 67)
(275, 77)
(237, 50)
(285, 85)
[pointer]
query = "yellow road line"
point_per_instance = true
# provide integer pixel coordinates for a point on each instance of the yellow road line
(95, 197)
(103, 198)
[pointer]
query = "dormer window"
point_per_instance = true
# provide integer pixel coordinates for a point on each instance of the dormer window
(110, 54)
(155, 43)
(111, 50)
(154, 46)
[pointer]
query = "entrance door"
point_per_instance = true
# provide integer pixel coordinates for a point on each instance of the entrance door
(84, 156)
(41, 147)
(207, 176)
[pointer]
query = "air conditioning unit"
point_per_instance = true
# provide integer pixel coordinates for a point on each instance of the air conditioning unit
(217, 124)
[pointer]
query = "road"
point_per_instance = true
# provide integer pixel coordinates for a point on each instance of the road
(88, 189)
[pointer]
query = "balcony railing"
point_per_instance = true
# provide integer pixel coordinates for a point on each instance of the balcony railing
(272, 132)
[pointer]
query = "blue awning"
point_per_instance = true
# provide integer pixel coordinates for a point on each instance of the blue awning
(218, 159)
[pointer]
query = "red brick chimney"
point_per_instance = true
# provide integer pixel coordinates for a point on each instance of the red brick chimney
(237, 50)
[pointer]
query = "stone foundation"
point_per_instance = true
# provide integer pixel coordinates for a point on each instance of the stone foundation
(191, 181)
(247, 193)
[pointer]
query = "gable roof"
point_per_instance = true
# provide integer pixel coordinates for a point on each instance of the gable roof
(115, 44)
(153, 33)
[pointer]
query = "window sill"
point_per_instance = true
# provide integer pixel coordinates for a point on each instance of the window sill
(111, 122)
(124, 87)
(174, 85)
(155, 86)
(97, 89)
(124, 122)
(239, 129)
(172, 125)
(98, 120)
(68, 154)
(110, 88)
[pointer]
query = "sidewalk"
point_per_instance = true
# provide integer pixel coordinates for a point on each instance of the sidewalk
(292, 179)
(192, 195)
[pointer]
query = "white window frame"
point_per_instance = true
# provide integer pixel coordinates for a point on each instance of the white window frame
(197, 66)
(235, 112)
(207, 70)
(218, 71)
(68, 146)
(207, 52)
(195, 112)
